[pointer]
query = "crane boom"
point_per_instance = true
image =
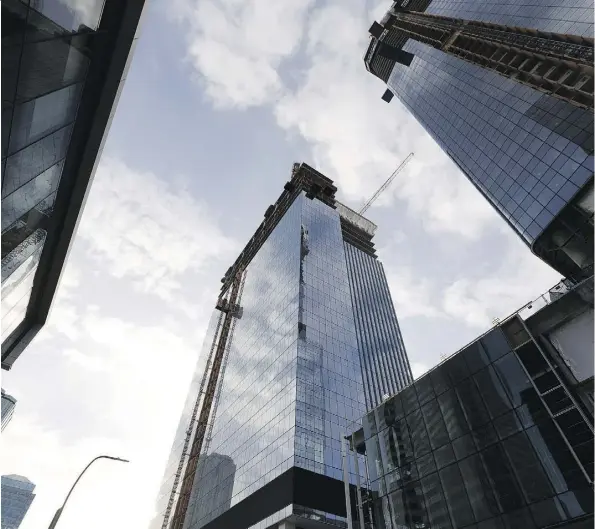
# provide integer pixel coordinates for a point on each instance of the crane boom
(386, 184)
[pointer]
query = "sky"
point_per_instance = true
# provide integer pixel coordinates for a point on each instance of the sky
(220, 100)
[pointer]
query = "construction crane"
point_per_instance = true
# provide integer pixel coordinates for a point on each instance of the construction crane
(386, 184)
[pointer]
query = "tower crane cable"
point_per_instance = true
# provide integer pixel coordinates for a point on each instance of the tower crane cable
(386, 184)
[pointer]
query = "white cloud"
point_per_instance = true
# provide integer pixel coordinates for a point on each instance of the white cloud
(412, 295)
(130, 381)
(519, 279)
(418, 369)
(237, 47)
(358, 140)
(147, 231)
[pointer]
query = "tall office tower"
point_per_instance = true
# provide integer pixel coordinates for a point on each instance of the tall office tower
(304, 338)
(63, 68)
(17, 496)
(499, 435)
(506, 90)
(8, 405)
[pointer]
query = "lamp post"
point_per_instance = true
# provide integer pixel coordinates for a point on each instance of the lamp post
(61, 509)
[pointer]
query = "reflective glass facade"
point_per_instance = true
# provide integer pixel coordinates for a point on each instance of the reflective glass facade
(293, 380)
(17, 496)
(384, 360)
(50, 49)
(8, 405)
(492, 438)
(529, 153)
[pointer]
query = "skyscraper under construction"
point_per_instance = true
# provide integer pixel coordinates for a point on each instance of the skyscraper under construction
(303, 340)
(506, 89)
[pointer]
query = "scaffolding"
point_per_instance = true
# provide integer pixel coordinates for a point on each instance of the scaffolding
(557, 64)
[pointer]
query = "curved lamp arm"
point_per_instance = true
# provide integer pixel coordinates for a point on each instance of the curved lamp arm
(59, 511)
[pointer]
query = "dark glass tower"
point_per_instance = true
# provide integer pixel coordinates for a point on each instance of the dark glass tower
(309, 340)
(63, 68)
(506, 89)
(499, 435)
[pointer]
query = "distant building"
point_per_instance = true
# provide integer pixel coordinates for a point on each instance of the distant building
(17, 496)
(506, 89)
(498, 435)
(63, 68)
(8, 405)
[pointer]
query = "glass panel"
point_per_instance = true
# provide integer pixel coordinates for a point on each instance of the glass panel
(513, 378)
(30, 195)
(484, 436)
(472, 403)
(464, 446)
(369, 425)
(482, 499)
(475, 357)
(435, 424)
(48, 66)
(16, 288)
(444, 456)
(389, 412)
(507, 425)
(437, 507)
(425, 391)
(527, 468)
(409, 399)
(425, 465)
(440, 380)
(72, 14)
(456, 497)
(503, 481)
(454, 418)
(417, 431)
(492, 392)
(495, 344)
(38, 118)
(548, 512)
(26, 164)
(519, 518)
(457, 368)
(374, 459)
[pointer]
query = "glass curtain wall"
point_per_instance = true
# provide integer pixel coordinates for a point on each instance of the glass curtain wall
(528, 152)
(472, 442)
(46, 52)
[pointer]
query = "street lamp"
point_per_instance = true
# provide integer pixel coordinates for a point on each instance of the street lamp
(59, 511)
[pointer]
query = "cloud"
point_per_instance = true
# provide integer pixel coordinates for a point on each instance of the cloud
(412, 295)
(121, 386)
(418, 369)
(144, 230)
(237, 47)
(358, 140)
(519, 279)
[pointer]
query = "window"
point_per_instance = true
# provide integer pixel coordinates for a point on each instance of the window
(527, 467)
(482, 499)
(492, 392)
(435, 424)
(513, 378)
(456, 496)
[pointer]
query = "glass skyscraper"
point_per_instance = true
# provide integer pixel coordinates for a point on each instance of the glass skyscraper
(497, 436)
(63, 68)
(506, 89)
(8, 405)
(314, 342)
(17, 496)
